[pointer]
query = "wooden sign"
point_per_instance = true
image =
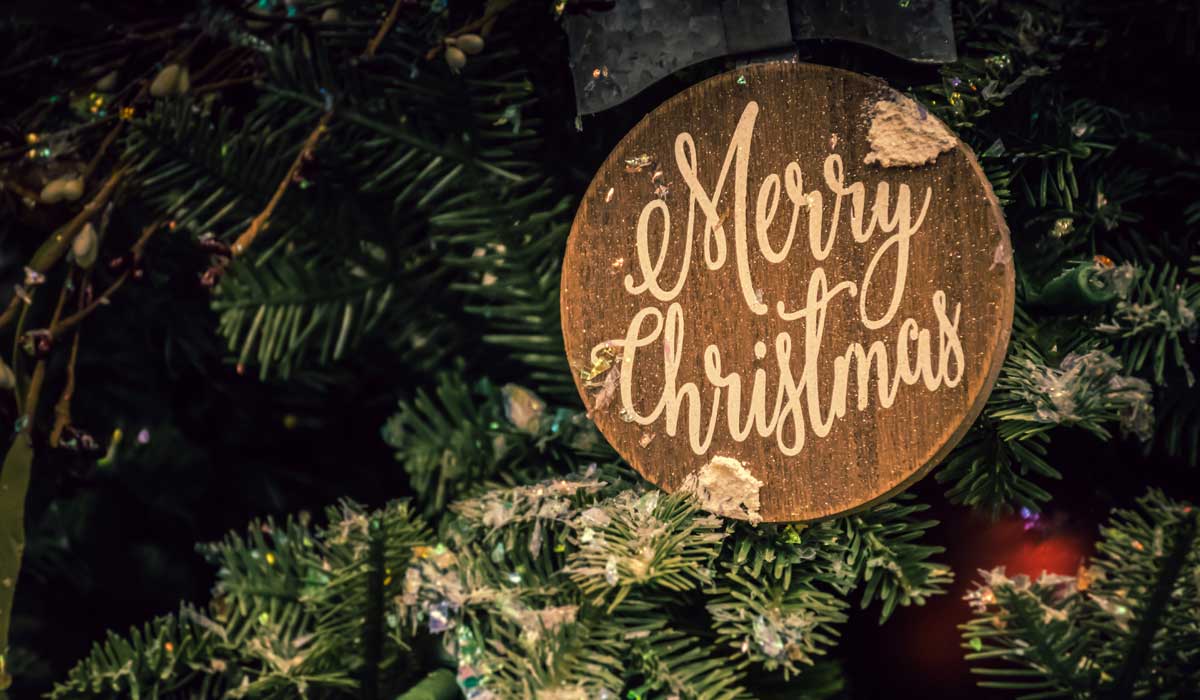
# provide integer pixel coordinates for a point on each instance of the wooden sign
(789, 289)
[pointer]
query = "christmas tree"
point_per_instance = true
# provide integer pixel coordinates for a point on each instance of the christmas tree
(235, 234)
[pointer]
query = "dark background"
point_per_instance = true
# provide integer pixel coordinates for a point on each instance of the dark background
(111, 546)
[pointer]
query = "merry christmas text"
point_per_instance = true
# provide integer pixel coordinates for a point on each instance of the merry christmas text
(800, 400)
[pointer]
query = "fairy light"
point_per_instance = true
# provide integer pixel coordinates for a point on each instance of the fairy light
(96, 103)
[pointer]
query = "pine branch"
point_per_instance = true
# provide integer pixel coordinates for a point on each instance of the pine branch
(881, 553)
(1051, 378)
(358, 635)
(292, 613)
(372, 640)
(681, 664)
(1121, 627)
(1153, 321)
(781, 625)
(303, 306)
(471, 437)
(990, 472)
(1151, 619)
(634, 541)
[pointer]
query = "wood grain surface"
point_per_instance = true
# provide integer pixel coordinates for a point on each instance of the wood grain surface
(960, 250)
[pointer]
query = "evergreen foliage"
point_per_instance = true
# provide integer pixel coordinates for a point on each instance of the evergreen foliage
(347, 196)
(1125, 626)
(572, 585)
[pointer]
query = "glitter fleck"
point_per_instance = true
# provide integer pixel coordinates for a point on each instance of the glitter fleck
(637, 163)
(610, 571)
(1062, 227)
(602, 361)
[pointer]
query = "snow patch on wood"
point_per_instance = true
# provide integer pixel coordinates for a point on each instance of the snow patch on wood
(726, 488)
(903, 134)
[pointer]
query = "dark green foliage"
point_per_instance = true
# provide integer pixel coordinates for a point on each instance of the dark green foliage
(989, 472)
(416, 253)
(1054, 156)
(294, 612)
(473, 437)
(881, 548)
(356, 635)
(1153, 324)
(1123, 627)
(415, 173)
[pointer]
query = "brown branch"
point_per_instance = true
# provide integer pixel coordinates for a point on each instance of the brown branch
(388, 23)
(18, 356)
(33, 394)
(59, 242)
(57, 328)
(136, 31)
(244, 241)
(62, 409)
(71, 321)
(182, 57)
(65, 133)
(11, 311)
(14, 487)
(485, 23)
(218, 61)
(62, 56)
(109, 138)
(222, 84)
(58, 306)
(19, 189)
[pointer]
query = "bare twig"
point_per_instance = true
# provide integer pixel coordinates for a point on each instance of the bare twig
(222, 84)
(109, 138)
(484, 23)
(388, 23)
(59, 327)
(62, 409)
(33, 394)
(59, 242)
(244, 241)
(19, 189)
(14, 485)
(71, 321)
(65, 133)
(218, 62)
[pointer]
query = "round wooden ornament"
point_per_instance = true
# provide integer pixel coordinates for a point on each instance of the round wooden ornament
(788, 289)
